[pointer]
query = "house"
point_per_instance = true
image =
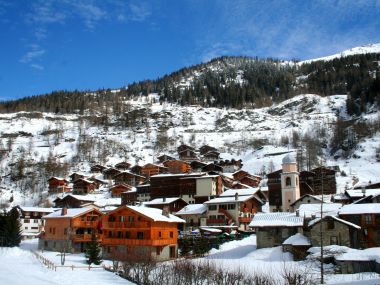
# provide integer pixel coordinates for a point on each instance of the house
(187, 154)
(97, 168)
(173, 205)
(358, 194)
(272, 229)
(117, 189)
(140, 233)
(246, 178)
(123, 165)
(136, 169)
(75, 176)
(129, 178)
(143, 192)
(73, 201)
(336, 231)
(205, 149)
(164, 157)
(31, 220)
(207, 186)
(233, 210)
(98, 182)
(367, 216)
(70, 229)
(306, 199)
(211, 156)
(212, 167)
(83, 186)
(58, 185)
(183, 147)
(194, 215)
(129, 197)
(177, 166)
(197, 165)
(151, 169)
(230, 166)
(109, 173)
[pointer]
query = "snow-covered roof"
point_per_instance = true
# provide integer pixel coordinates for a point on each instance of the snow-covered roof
(79, 197)
(240, 192)
(162, 201)
(358, 193)
(38, 209)
(297, 239)
(277, 219)
(103, 202)
(156, 214)
(192, 209)
(313, 222)
(361, 255)
(221, 200)
(370, 208)
(71, 213)
(330, 209)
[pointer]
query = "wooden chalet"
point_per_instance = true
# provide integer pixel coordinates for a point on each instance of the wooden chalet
(197, 165)
(143, 192)
(98, 182)
(151, 169)
(97, 168)
(246, 178)
(123, 165)
(211, 156)
(70, 229)
(58, 185)
(73, 201)
(367, 216)
(230, 166)
(117, 189)
(212, 167)
(183, 147)
(177, 166)
(129, 197)
(164, 157)
(136, 169)
(75, 176)
(83, 186)
(109, 173)
(187, 154)
(129, 178)
(173, 205)
(206, 148)
(140, 233)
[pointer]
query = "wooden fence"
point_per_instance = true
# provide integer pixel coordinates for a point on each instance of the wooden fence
(51, 265)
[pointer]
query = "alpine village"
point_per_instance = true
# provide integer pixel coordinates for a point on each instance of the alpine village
(209, 175)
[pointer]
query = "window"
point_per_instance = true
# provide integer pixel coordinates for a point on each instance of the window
(121, 219)
(212, 207)
(231, 206)
(330, 225)
(159, 235)
(65, 231)
(171, 234)
(119, 234)
(110, 234)
(131, 218)
(26, 221)
(158, 250)
(368, 219)
(288, 181)
(45, 243)
(35, 221)
(127, 235)
(26, 228)
(333, 240)
(140, 235)
(34, 228)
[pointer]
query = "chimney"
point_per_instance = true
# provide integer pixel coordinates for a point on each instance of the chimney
(64, 211)
(236, 196)
(165, 211)
(164, 199)
(297, 213)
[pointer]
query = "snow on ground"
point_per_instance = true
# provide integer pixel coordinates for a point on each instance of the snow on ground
(19, 267)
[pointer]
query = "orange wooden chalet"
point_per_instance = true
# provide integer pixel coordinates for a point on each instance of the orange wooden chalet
(58, 185)
(70, 229)
(153, 169)
(130, 178)
(140, 233)
(177, 166)
(117, 189)
(83, 186)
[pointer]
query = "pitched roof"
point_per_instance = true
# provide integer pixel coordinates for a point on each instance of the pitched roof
(38, 209)
(240, 192)
(222, 200)
(71, 213)
(162, 201)
(297, 239)
(370, 208)
(76, 197)
(308, 210)
(278, 219)
(316, 221)
(192, 209)
(155, 214)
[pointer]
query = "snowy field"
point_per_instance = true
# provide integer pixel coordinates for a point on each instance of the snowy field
(20, 266)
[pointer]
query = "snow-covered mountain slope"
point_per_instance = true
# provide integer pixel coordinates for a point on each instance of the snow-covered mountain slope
(40, 145)
(370, 48)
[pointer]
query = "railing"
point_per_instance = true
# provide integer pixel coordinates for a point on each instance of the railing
(123, 225)
(81, 237)
(85, 224)
(216, 221)
(137, 242)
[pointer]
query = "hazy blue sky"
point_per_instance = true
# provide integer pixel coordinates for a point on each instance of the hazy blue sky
(82, 44)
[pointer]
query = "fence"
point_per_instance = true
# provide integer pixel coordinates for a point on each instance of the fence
(51, 265)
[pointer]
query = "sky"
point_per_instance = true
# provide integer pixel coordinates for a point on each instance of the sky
(48, 45)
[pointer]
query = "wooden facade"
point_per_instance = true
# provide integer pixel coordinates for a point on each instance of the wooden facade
(177, 166)
(109, 173)
(173, 205)
(151, 169)
(164, 157)
(129, 178)
(183, 147)
(206, 148)
(83, 186)
(187, 154)
(117, 189)
(123, 165)
(129, 197)
(97, 168)
(58, 185)
(72, 201)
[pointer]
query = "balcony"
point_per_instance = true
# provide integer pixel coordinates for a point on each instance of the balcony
(216, 221)
(125, 225)
(85, 224)
(245, 219)
(83, 238)
(138, 242)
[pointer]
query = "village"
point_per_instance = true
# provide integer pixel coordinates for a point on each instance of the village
(149, 212)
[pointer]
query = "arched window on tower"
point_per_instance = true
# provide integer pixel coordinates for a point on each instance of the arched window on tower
(288, 181)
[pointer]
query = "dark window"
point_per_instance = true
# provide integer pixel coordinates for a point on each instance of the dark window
(212, 207)
(159, 235)
(127, 235)
(171, 234)
(26, 221)
(140, 235)
(288, 181)
(368, 219)
(330, 224)
(333, 240)
(131, 218)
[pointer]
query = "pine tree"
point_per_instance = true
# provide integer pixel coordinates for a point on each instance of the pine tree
(11, 228)
(93, 251)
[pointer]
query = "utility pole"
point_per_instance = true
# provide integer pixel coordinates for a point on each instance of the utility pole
(321, 227)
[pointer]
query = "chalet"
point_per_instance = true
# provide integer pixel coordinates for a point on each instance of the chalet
(173, 205)
(117, 189)
(212, 167)
(272, 229)
(194, 215)
(129, 197)
(151, 169)
(211, 156)
(73, 201)
(31, 220)
(230, 166)
(305, 199)
(83, 186)
(109, 173)
(336, 231)
(123, 165)
(140, 233)
(358, 194)
(75, 176)
(177, 166)
(164, 157)
(233, 210)
(136, 169)
(129, 178)
(187, 154)
(98, 182)
(246, 178)
(174, 185)
(97, 168)
(58, 185)
(367, 216)
(207, 186)
(375, 198)
(183, 147)
(206, 148)
(197, 165)
(70, 229)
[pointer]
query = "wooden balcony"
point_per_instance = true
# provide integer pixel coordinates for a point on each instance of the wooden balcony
(85, 224)
(245, 219)
(138, 242)
(125, 225)
(82, 238)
